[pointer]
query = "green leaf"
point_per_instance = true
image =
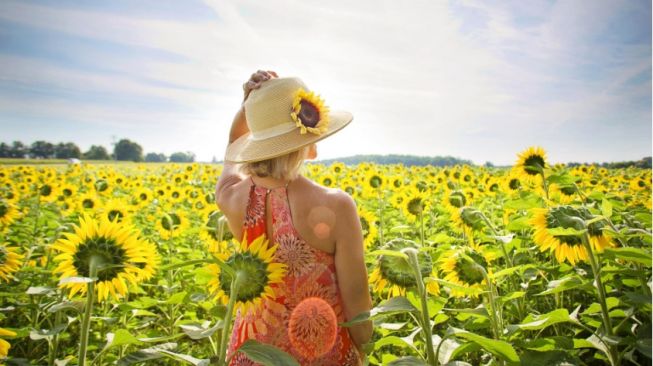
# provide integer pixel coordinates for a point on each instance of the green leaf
(147, 354)
(595, 307)
(606, 208)
(562, 178)
(176, 299)
(565, 231)
(512, 296)
(199, 332)
(120, 338)
(550, 344)
(563, 284)
(394, 305)
(631, 254)
(408, 361)
(388, 252)
(266, 354)
(446, 347)
(189, 359)
(498, 348)
(549, 358)
(537, 322)
(39, 290)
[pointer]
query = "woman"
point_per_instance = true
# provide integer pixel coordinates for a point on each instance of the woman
(317, 229)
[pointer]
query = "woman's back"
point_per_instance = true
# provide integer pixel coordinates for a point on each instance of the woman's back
(301, 218)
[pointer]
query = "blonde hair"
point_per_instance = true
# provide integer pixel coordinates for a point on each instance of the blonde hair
(286, 167)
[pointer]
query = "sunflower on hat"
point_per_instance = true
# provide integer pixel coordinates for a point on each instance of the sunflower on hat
(309, 112)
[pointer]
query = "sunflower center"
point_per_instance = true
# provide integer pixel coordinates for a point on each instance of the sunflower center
(101, 185)
(67, 192)
(255, 276)
(365, 226)
(568, 190)
(494, 187)
(4, 208)
(45, 190)
(3, 255)
(375, 181)
(308, 114)
(115, 214)
(88, 203)
(143, 196)
(170, 221)
(415, 206)
(327, 181)
(514, 184)
(112, 258)
(534, 164)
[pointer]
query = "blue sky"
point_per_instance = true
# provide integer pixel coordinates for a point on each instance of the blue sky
(478, 80)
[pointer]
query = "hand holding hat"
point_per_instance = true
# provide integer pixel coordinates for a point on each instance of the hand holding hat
(256, 80)
(282, 116)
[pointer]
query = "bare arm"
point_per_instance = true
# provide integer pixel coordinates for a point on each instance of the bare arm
(350, 269)
(230, 174)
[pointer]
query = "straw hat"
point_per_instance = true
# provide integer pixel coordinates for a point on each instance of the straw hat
(283, 115)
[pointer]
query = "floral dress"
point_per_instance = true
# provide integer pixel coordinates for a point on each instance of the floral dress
(310, 273)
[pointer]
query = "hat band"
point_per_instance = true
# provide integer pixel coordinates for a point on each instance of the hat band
(273, 131)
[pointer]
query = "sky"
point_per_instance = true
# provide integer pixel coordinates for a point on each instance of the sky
(477, 80)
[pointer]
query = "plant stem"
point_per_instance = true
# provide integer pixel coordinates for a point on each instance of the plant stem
(233, 294)
(88, 310)
(426, 319)
(599, 285)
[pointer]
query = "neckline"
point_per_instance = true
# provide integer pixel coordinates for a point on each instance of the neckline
(269, 188)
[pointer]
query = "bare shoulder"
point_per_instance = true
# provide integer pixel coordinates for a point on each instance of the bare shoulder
(336, 199)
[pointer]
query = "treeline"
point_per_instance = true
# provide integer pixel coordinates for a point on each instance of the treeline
(407, 160)
(643, 163)
(123, 150)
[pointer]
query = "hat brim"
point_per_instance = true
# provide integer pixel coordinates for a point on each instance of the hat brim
(246, 150)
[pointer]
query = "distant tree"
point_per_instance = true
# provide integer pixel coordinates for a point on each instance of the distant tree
(96, 152)
(155, 158)
(180, 157)
(126, 150)
(489, 164)
(18, 150)
(41, 149)
(5, 150)
(67, 151)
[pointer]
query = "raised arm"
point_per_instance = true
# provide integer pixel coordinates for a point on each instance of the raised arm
(230, 174)
(351, 270)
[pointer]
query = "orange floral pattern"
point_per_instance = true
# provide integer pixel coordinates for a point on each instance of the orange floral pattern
(311, 273)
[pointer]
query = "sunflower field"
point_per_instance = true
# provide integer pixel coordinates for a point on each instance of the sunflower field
(538, 264)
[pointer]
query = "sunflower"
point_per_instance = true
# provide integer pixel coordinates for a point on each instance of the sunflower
(88, 202)
(328, 180)
(368, 224)
(115, 209)
(116, 248)
(10, 262)
(47, 192)
(466, 220)
(567, 247)
(309, 112)
(142, 197)
(4, 345)
(8, 213)
(172, 223)
(374, 180)
(464, 266)
(562, 194)
(396, 275)
(255, 262)
(511, 182)
(531, 164)
(414, 204)
(455, 199)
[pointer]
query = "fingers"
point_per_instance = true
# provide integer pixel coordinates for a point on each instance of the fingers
(256, 79)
